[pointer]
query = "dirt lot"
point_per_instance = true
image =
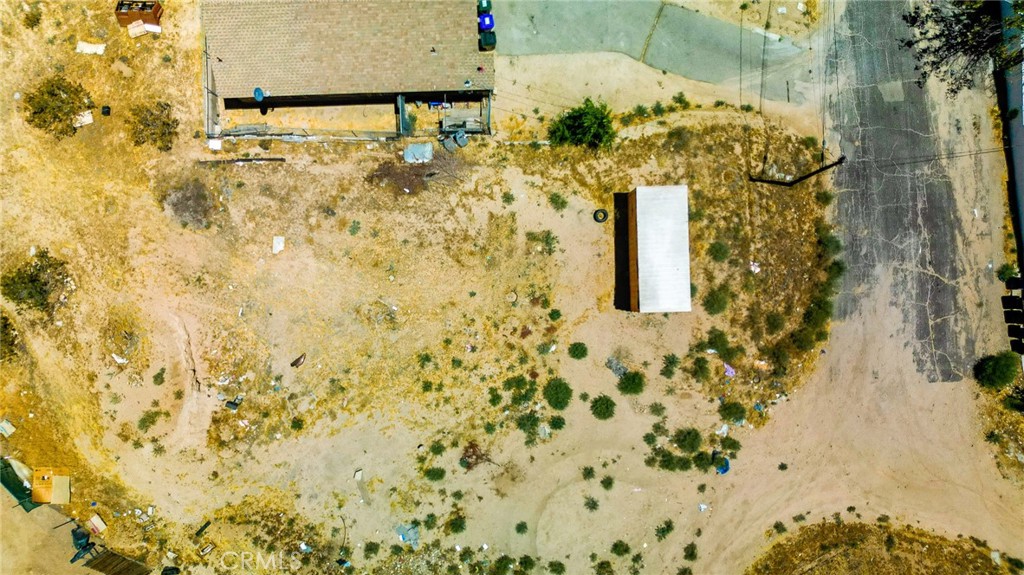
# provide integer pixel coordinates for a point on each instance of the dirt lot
(407, 309)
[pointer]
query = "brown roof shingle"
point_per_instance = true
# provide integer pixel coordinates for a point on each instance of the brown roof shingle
(320, 47)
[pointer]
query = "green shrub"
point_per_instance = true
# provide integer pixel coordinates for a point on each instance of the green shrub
(774, 322)
(719, 251)
(36, 284)
(558, 393)
(669, 364)
(370, 549)
(590, 504)
(527, 563)
(588, 125)
(717, 300)
(997, 371)
(620, 548)
(578, 350)
(558, 201)
(528, 422)
(603, 407)
(632, 383)
(690, 552)
(730, 444)
(732, 411)
(555, 314)
(556, 422)
(823, 197)
(588, 473)
(153, 124)
(456, 524)
(607, 482)
(297, 424)
(677, 139)
(701, 369)
(150, 418)
(688, 439)
(437, 448)
(430, 521)
(10, 341)
(434, 473)
(54, 104)
(680, 100)
(522, 528)
(779, 527)
(658, 109)
(663, 530)
(556, 568)
(33, 17)
(547, 240)
(1006, 271)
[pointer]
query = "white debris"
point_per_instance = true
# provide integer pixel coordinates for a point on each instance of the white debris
(702, 507)
(801, 7)
(7, 428)
(723, 431)
(755, 267)
(153, 28)
(137, 28)
(278, 246)
(782, 10)
(87, 48)
(118, 359)
(83, 119)
(215, 144)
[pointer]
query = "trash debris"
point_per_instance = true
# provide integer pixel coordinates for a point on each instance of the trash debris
(87, 48)
(616, 366)
(83, 119)
(215, 144)
(137, 28)
(801, 7)
(723, 431)
(782, 10)
(305, 548)
(118, 359)
(202, 529)
(153, 28)
(730, 371)
(51, 485)
(7, 428)
(206, 550)
(409, 534)
(418, 153)
(299, 360)
(723, 467)
(96, 524)
(278, 245)
(702, 507)
(755, 267)
(545, 431)
(511, 297)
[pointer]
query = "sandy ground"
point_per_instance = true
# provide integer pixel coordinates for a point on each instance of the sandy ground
(866, 431)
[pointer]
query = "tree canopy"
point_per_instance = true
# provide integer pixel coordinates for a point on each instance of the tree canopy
(997, 371)
(588, 124)
(955, 40)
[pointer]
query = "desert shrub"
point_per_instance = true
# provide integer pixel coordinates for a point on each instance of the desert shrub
(997, 371)
(556, 422)
(588, 473)
(783, 467)
(522, 528)
(10, 341)
(590, 504)
(669, 364)
(555, 314)
(437, 448)
(558, 393)
(730, 444)
(774, 322)
(779, 527)
(160, 376)
(658, 409)
(604, 567)
(37, 284)
(823, 197)
(556, 568)
(677, 139)
(150, 418)
(632, 383)
(717, 300)
(607, 482)
(688, 439)
(528, 422)
(663, 530)
(701, 369)
(430, 521)
(558, 201)
(680, 100)
(153, 124)
(527, 563)
(719, 251)
(54, 104)
(732, 411)
(548, 241)
(809, 142)
(620, 548)
(578, 350)
(1006, 271)
(603, 407)
(588, 124)
(658, 109)
(456, 524)
(297, 424)
(640, 111)
(33, 17)
(690, 552)
(191, 203)
(370, 549)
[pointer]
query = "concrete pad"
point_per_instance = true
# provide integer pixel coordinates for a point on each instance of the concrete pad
(891, 91)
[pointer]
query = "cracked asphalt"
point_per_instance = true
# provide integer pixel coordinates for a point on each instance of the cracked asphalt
(900, 217)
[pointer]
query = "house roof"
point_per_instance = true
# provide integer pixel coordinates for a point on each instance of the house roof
(337, 47)
(663, 248)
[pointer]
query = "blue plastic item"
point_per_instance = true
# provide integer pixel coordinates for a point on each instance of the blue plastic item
(486, 22)
(258, 94)
(724, 467)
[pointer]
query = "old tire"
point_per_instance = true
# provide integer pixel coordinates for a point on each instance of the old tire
(601, 216)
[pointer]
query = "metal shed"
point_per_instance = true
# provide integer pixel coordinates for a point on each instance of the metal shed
(659, 249)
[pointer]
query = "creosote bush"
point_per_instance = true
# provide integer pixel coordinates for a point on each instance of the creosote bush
(36, 284)
(578, 350)
(632, 383)
(153, 124)
(997, 371)
(54, 104)
(732, 411)
(603, 407)
(558, 393)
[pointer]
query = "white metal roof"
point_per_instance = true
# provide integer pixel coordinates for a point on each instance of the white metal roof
(663, 248)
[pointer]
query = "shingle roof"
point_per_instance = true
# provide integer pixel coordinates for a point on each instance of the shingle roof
(319, 47)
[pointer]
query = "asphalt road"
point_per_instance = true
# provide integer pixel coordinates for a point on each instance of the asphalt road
(900, 217)
(665, 37)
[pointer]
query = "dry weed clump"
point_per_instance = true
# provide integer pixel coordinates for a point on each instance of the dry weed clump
(191, 203)
(446, 169)
(861, 548)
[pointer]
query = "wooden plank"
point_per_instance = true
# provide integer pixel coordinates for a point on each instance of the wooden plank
(634, 266)
(111, 563)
